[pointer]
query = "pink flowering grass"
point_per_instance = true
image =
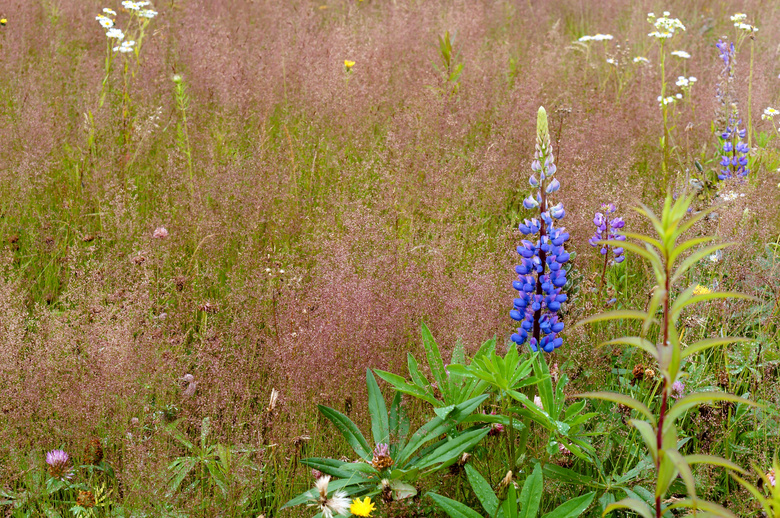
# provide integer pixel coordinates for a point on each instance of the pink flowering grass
(325, 219)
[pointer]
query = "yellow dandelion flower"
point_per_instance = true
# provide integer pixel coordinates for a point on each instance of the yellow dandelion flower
(363, 508)
(3, 21)
(348, 64)
(701, 290)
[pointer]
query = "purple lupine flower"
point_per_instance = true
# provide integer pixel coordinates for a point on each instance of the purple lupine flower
(540, 274)
(59, 464)
(734, 158)
(726, 51)
(608, 230)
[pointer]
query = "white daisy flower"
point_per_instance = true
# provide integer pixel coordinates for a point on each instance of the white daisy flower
(682, 81)
(602, 37)
(126, 46)
(681, 54)
(641, 59)
(105, 21)
(585, 38)
(679, 96)
(738, 17)
(769, 114)
(130, 5)
(147, 13)
(109, 11)
(746, 27)
(612, 61)
(115, 34)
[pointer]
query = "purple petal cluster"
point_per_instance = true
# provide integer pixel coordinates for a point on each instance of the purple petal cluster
(726, 51)
(540, 274)
(734, 160)
(59, 464)
(608, 230)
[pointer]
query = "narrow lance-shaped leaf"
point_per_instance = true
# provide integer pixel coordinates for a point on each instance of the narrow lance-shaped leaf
(623, 314)
(638, 506)
(621, 399)
(707, 343)
(380, 427)
(698, 398)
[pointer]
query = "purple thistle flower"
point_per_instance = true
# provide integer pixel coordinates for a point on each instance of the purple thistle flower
(540, 274)
(59, 464)
(678, 388)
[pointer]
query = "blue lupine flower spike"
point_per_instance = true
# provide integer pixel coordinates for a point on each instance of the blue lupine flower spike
(540, 275)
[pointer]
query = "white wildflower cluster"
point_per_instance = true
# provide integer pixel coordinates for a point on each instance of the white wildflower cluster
(662, 101)
(612, 61)
(104, 20)
(597, 37)
(769, 113)
(739, 23)
(731, 195)
(681, 54)
(641, 59)
(137, 6)
(126, 46)
(665, 27)
(685, 82)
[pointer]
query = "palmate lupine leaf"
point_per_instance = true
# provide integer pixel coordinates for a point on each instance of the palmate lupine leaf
(435, 362)
(531, 494)
(573, 508)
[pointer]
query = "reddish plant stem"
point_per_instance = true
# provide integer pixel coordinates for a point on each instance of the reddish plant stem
(662, 413)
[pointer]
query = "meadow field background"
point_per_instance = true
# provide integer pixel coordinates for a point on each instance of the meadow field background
(209, 235)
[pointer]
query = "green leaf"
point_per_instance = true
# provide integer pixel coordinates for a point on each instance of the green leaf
(556, 472)
(621, 314)
(531, 494)
(704, 297)
(452, 449)
(695, 258)
(573, 508)
(380, 428)
(482, 489)
(713, 460)
(348, 429)
(697, 398)
(648, 434)
(684, 469)
(438, 426)
(181, 468)
(638, 506)
(703, 505)
(434, 360)
(623, 399)
(454, 508)
(703, 345)
(402, 490)
(419, 380)
(634, 341)
(400, 384)
(679, 249)
(329, 466)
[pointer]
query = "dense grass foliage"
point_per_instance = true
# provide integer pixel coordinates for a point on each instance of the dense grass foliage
(211, 237)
